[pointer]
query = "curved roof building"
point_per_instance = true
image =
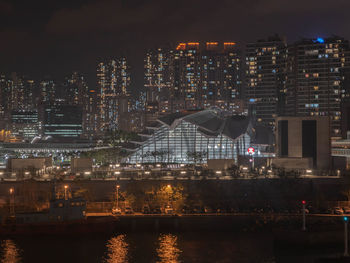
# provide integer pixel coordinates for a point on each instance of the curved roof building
(195, 137)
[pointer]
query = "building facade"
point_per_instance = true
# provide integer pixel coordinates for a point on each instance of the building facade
(197, 137)
(63, 121)
(303, 142)
(113, 82)
(265, 77)
(193, 76)
(318, 73)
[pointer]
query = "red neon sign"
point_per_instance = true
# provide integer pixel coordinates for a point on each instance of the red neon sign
(251, 150)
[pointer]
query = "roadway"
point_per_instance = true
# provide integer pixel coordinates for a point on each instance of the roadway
(211, 214)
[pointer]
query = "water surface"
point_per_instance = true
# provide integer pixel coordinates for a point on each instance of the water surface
(219, 247)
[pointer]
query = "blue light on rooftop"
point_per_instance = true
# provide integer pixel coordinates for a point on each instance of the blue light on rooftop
(320, 40)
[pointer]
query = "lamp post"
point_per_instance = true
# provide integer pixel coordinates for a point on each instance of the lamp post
(345, 218)
(251, 152)
(65, 192)
(168, 187)
(117, 188)
(304, 217)
(12, 201)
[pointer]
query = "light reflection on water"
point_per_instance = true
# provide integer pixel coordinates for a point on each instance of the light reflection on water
(10, 253)
(117, 250)
(168, 251)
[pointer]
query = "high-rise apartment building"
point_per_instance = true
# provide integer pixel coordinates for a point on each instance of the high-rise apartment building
(157, 78)
(220, 75)
(25, 124)
(75, 89)
(5, 86)
(47, 92)
(265, 78)
(318, 70)
(192, 76)
(78, 93)
(113, 81)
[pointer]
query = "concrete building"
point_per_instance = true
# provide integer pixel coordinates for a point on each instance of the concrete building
(196, 137)
(63, 121)
(265, 77)
(341, 153)
(193, 76)
(81, 165)
(303, 142)
(36, 164)
(113, 82)
(25, 124)
(317, 79)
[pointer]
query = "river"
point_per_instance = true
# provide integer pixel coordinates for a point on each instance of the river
(153, 247)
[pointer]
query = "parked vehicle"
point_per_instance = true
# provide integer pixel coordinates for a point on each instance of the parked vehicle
(156, 210)
(146, 209)
(346, 210)
(116, 211)
(208, 210)
(128, 210)
(338, 211)
(168, 210)
(186, 210)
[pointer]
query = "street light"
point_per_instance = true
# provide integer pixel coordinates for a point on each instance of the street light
(304, 217)
(65, 192)
(168, 187)
(12, 201)
(346, 220)
(117, 188)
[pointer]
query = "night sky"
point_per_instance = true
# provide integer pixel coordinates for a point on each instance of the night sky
(56, 37)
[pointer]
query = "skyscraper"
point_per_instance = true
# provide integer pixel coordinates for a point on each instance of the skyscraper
(318, 70)
(113, 81)
(220, 75)
(192, 76)
(265, 77)
(78, 93)
(157, 78)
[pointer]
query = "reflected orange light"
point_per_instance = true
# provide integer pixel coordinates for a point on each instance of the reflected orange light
(168, 252)
(117, 250)
(10, 252)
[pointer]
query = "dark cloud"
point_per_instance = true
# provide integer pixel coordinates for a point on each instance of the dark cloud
(59, 36)
(5, 8)
(101, 16)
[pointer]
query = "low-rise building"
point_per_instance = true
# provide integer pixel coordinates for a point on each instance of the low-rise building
(303, 142)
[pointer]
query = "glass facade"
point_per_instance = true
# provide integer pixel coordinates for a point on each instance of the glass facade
(186, 144)
(63, 121)
(25, 124)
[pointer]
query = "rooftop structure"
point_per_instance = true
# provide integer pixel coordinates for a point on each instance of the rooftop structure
(196, 137)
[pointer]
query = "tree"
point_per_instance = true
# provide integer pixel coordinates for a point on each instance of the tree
(233, 170)
(196, 156)
(155, 154)
(169, 195)
(116, 137)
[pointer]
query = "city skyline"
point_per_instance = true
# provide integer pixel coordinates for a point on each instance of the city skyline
(268, 77)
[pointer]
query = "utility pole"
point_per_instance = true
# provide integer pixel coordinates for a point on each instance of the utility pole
(346, 253)
(304, 216)
(117, 197)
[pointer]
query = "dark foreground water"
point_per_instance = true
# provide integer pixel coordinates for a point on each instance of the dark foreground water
(153, 247)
